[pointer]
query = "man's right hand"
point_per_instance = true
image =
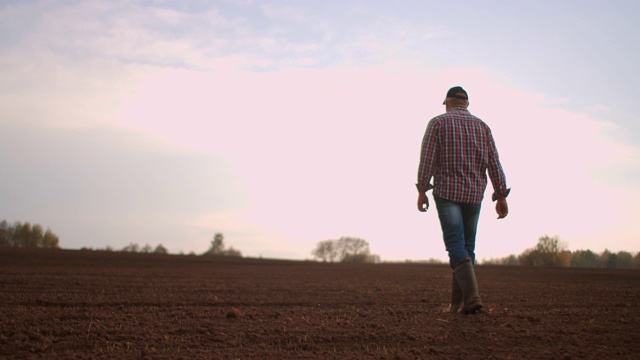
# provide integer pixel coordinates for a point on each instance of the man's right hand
(502, 208)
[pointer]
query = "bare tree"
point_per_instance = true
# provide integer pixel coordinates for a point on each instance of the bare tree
(549, 251)
(345, 249)
(352, 248)
(325, 250)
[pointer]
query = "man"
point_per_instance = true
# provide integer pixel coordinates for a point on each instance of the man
(457, 151)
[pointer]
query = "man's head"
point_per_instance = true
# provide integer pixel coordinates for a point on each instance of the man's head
(456, 96)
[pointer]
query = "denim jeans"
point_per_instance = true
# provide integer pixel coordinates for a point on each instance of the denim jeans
(459, 223)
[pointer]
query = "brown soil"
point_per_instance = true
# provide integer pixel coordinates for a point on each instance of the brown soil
(80, 305)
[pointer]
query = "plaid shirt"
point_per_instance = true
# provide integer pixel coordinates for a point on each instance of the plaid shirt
(457, 151)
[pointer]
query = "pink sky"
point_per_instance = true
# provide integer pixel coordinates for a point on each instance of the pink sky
(330, 153)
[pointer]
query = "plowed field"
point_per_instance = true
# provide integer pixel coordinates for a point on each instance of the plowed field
(84, 305)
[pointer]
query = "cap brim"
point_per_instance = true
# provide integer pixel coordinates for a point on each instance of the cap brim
(459, 97)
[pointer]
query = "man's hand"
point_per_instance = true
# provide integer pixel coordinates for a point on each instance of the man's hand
(502, 208)
(423, 202)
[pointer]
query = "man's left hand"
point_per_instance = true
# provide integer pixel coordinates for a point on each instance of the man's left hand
(423, 202)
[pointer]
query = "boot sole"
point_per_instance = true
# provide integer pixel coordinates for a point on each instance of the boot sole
(472, 309)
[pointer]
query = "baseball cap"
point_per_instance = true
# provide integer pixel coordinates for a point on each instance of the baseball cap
(456, 92)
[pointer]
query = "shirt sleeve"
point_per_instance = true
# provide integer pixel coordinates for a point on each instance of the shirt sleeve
(428, 158)
(496, 174)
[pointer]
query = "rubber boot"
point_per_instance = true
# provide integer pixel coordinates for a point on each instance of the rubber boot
(457, 299)
(466, 277)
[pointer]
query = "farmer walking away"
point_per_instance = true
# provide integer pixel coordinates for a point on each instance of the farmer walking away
(457, 152)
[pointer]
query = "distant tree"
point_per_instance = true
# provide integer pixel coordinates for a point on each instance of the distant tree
(511, 260)
(563, 258)
(232, 252)
(160, 249)
(548, 252)
(345, 249)
(585, 258)
(548, 244)
(325, 251)
(608, 259)
(6, 234)
(352, 249)
(35, 238)
(50, 240)
(625, 260)
(217, 247)
(146, 249)
(529, 258)
(132, 247)
(22, 234)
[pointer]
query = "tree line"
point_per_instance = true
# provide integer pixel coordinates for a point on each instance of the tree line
(146, 249)
(550, 251)
(217, 247)
(26, 235)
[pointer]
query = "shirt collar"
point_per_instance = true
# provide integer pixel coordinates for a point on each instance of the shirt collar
(458, 108)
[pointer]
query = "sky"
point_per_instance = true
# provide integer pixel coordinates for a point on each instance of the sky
(285, 123)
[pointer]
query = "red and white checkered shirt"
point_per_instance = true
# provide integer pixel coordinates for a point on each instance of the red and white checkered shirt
(457, 151)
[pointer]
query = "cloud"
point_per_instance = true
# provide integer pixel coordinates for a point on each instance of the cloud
(102, 186)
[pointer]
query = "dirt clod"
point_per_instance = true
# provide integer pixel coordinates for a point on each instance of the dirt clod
(234, 313)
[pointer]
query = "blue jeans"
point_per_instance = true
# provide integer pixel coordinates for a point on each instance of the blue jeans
(459, 223)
